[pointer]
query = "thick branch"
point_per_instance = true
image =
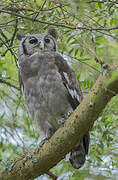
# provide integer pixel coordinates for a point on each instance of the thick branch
(37, 162)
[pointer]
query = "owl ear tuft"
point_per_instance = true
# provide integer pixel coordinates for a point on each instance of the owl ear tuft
(52, 32)
(20, 36)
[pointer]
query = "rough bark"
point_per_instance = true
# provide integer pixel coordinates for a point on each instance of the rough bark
(35, 163)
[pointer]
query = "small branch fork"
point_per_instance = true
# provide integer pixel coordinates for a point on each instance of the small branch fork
(98, 60)
(8, 43)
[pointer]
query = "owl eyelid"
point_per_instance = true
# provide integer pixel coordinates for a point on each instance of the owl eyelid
(33, 40)
(47, 40)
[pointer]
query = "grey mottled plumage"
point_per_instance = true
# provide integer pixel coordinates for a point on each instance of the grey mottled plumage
(50, 88)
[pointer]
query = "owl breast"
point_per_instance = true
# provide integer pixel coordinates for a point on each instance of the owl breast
(45, 94)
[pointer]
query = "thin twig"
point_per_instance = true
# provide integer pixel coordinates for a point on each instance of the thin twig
(110, 35)
(15, 57)
(98, 60)
(60, 25)
(7, 95)
(9, 84)
(85, 63)
(5, 24)
(51, 175)
(3, 35)
(105, 1)
(40, 9)
(12, 39)
(14, 34)
(1, 44)
(31, 9)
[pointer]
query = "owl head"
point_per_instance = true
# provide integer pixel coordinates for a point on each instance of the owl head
(29, 44)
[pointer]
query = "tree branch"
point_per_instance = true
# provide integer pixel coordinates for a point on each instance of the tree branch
(105, 1)
(9, 84)
(59, 24)
(39, 161)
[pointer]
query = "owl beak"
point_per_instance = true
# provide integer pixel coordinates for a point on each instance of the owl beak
(41, 45)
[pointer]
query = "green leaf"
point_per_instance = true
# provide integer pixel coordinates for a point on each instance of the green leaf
(76, 51)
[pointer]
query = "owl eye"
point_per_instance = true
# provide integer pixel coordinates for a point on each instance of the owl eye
(33, 40)
(47, 40)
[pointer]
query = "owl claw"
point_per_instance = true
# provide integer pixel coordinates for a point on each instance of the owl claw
(61, 121)
(43, 142)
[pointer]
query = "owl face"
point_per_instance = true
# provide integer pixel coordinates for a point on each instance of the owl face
(38, 42)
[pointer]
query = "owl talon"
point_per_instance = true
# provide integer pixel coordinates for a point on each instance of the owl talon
(43, 142)
(61, 121)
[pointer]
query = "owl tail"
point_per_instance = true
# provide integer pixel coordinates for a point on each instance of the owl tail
(79, 152)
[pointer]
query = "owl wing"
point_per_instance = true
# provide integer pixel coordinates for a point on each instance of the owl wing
(69, 80)
(75, 95)
(20, 82)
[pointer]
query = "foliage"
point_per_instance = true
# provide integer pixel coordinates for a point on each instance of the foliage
(87, 38)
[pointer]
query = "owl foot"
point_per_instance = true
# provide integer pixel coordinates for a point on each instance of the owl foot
(61, 121)
(43, 142)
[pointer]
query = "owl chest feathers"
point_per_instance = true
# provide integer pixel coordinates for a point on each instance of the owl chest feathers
(44, 91)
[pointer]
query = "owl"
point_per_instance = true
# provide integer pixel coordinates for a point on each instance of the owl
(50, 87)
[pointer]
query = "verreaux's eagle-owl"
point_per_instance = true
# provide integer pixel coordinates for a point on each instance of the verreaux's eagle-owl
(50, 87)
